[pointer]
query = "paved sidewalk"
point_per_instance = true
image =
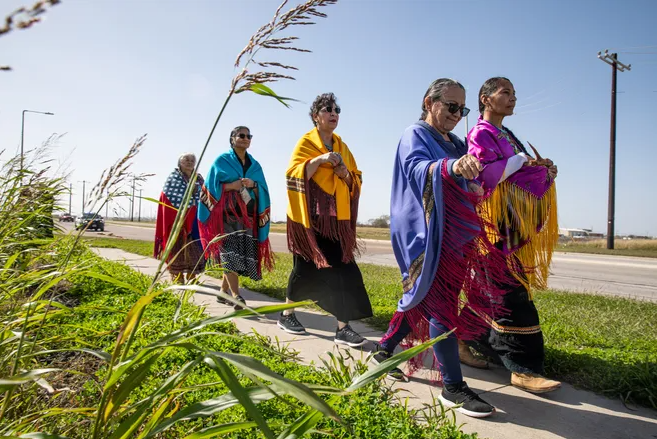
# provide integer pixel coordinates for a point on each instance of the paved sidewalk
(566, 413)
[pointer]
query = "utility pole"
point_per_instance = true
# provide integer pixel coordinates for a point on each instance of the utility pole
(84, 187)
(612, 60)
(132, 204)
(70, 197)
(107, 204)
(139, 218)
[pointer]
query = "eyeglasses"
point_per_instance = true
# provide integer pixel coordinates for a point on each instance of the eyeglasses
(330, 109)
(453, 108)
(245, 136)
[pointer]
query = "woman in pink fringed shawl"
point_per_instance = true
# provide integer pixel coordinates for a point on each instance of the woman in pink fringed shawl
(520, 206)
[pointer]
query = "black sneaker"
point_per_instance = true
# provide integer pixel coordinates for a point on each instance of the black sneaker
(290, 324)
(238, 307)
(349, 337)
(394, 374)
(469, 402)
(223, 301)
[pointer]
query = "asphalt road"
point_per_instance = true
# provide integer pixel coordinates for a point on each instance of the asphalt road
(596, 274)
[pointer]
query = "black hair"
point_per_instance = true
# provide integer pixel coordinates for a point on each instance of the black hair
(490, 86)
(234, 133)
(322, 101)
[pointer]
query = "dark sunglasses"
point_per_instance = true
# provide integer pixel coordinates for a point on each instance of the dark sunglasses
(453, 108)
(330, 109)
(245, 136)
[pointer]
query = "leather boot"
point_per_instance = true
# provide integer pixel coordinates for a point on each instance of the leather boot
(467, 358)
(533, 382)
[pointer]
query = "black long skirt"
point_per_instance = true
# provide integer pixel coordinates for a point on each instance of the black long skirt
(515, 339)
(338, 290)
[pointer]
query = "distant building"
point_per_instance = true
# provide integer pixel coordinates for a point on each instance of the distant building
(580, 234)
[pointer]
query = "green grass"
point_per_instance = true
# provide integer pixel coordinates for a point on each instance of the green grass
(144, 248)
(645, 252)
(597, 343)
(98, 309)
(142, 223)
(363, 232)
(603, 344)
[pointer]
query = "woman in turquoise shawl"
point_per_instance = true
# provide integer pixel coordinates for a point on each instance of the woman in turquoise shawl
(235, 202)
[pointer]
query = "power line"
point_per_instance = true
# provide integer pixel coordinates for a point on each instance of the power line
(534, 103)
(539, 109)
(634, 47)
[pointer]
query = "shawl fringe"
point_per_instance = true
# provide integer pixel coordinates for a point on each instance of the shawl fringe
(265, 256)
(158, 247)
(302, 241)
(321, 206)
(471, 271)
(212, 230)
(509, 206)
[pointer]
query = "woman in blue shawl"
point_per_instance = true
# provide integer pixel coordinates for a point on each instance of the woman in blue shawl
(235, 202)
(444, 257)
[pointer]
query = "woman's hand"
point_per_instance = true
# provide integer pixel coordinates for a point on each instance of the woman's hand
(234, 186)
(331, 158)
(549, 164)
(552, 172)
(341, 171)
(467, 166)
(248, 183)
(475, 188)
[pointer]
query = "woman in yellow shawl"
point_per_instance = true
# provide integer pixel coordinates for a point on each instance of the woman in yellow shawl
(323, 188)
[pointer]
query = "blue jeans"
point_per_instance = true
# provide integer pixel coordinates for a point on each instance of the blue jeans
(446, 351)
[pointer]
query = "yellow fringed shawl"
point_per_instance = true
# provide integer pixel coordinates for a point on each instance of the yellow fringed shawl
(346, 200)
(529, 227)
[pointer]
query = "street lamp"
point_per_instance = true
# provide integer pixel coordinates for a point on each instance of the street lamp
(23, 130)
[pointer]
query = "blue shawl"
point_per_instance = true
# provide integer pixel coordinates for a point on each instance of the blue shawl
(416, 242)
(227, 168)
(439, 240)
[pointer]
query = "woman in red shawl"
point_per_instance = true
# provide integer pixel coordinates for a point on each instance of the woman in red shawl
(186, 256)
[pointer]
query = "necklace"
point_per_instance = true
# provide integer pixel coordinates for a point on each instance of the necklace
(505, 134)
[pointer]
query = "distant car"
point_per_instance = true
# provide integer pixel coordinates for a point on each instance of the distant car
(67, 218)
(90, 221)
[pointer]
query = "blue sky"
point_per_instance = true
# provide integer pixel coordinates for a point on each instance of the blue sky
(113, 70)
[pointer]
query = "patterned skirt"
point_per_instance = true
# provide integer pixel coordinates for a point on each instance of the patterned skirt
(239, 250)
(186, 258)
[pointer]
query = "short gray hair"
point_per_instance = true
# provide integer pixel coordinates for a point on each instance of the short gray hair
(436, 91)
(186, 155)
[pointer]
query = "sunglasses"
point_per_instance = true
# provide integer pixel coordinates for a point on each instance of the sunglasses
(330, 109)
(245, 136)
(453, 108)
